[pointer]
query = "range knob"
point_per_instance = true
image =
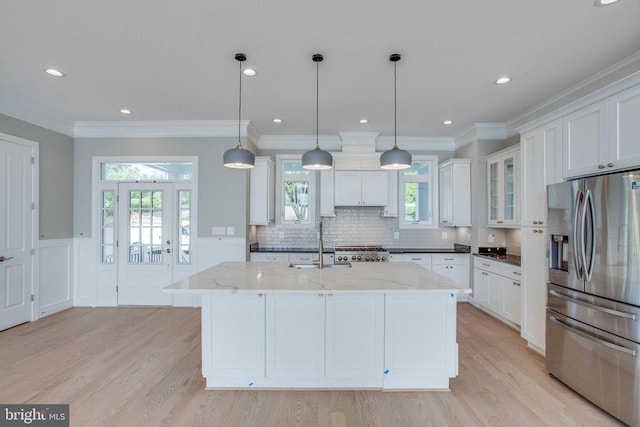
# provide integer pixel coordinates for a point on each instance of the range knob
(359, 257)
(377, 258)
(353, 257)
(384, 258)
(339, 258)
(366, 259)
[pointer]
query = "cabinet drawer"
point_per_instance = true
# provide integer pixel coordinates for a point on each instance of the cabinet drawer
(449, 259)
(417, 258)
(303, 258)
(512, 272)
(487, 265)
(270, 256)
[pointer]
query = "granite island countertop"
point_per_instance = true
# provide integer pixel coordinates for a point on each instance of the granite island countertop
(245, 277)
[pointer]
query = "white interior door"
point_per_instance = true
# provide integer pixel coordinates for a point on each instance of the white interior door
(145, 243)
(16, 233)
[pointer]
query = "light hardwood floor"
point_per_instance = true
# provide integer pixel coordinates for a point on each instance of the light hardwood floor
(141, 367)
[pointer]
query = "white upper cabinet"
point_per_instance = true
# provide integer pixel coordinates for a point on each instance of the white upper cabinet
(603, 137)
(361, 188)
(391, 208)
(327, 193)
(624, 129)
(455, 193)
(585, 140)
(503, 188)
(541, 165)
(261, 190)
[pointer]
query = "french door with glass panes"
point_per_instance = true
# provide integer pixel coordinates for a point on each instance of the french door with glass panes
(153, 236)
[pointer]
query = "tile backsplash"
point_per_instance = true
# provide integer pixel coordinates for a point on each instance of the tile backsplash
(355, 226)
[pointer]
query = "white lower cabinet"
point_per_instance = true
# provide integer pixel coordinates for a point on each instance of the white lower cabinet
(269, 256)
(295, 331)
(233, 340)
(496, 288)
(535, 266)
(416, 352)
(354, 335)
(329, 340)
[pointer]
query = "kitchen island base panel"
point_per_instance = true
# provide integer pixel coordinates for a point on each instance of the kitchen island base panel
(420, 352)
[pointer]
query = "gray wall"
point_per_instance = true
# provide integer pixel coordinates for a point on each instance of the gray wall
(56, 176)
(222, 192)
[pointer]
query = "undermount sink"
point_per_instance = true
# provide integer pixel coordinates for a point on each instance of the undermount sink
(301, 266)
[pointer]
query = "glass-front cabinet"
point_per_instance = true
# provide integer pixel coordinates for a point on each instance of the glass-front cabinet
(502, 187)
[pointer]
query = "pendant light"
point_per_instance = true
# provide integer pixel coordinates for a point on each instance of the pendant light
(395, 158)
(317, 159)
(239, 157)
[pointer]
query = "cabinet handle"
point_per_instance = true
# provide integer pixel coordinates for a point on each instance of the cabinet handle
(320, 295)
(444, 222)
(516, 273)
(516, 283)
(416, 259)
(487, 265)
(329, 295)
(485, 274)
(610, 165)
(601, 166)
(259, 295)
(499, 222)
(448, 259)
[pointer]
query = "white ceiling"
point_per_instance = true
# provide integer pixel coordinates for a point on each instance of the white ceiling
(175, 60)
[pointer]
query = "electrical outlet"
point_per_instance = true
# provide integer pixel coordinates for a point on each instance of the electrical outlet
(396, 235)
(444, 235)
(231, 231)
(217, 231)
(491, 238)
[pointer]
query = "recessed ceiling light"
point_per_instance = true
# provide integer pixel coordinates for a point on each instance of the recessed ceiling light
(503, 80)
(605, 2)
(364, 121)
(53, 72)
(277, 120)
(125, 111)
(249, 72)
(447, 122)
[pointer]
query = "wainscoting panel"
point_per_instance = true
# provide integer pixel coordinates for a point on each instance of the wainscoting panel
(55, 276)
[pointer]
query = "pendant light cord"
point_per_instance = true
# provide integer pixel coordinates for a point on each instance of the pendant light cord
(395, 103)
(239, 101)
(317, 102)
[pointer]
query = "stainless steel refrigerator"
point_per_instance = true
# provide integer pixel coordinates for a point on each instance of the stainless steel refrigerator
(593, 298)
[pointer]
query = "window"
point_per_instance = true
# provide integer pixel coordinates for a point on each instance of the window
(184, 220)
(296, 192)
(418, 188)
(146, 171)
(107, 226)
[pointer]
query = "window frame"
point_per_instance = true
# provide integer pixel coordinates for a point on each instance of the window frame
(311, 178)
(433, 199)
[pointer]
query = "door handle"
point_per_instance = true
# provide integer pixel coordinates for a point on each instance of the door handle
(586, 335)
(168, 250)
(576, 216)
(2, 258)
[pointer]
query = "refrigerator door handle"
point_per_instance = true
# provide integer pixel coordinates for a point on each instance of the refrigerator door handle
(592, 222)
(584, 334)
(576, 211)
(587, 304)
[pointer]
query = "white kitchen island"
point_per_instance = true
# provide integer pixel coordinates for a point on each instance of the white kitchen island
(374, 325)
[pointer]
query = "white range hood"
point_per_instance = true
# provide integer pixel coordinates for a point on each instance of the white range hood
(358, 152)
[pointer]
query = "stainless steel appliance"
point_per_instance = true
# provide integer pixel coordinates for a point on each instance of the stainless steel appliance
(360, 254)
(593, 298)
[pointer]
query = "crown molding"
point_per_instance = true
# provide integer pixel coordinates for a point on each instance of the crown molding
(607, 82)
(484, 131)
(416, 143)
(36, 116)
(298, 142)
(167, 128)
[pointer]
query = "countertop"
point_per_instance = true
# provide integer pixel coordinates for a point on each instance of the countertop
(509, 259)
(245, 277)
